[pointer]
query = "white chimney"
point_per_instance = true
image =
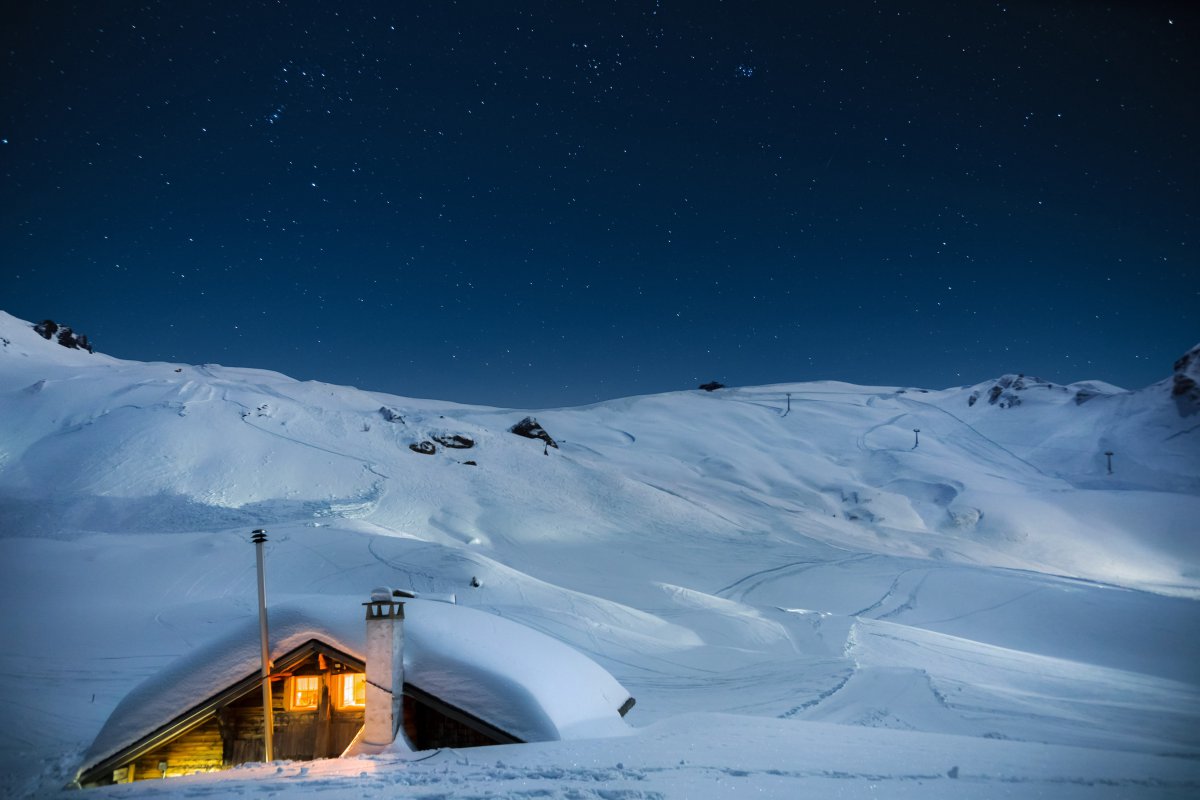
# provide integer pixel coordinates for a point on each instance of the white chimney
(385, 668)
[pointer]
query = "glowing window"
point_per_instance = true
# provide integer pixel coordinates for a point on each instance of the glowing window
(351, 690)
(306, 690)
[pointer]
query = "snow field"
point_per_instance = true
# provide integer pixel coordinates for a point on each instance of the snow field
(803, 603)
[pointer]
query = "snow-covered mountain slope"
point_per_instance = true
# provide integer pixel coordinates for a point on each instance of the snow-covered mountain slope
(787, 551)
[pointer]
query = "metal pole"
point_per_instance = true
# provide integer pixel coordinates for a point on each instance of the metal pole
(259, 537)
(1109, 453)
(916, 437)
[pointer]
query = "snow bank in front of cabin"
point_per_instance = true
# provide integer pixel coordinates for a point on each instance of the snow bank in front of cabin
(511, 676)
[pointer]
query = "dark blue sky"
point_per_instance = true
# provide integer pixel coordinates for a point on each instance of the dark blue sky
(540, 204)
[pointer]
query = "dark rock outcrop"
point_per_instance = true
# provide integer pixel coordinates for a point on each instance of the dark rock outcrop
(424, 448)
(49, 329)
(46, 328)
(454, 441)
(712, 386)
(1004, 393)
(391, 414)
(1185, 383)
(530, 429)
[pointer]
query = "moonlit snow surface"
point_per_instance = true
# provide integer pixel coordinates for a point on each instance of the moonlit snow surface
(802, 602)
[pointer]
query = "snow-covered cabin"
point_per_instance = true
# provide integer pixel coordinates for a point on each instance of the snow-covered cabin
(469, 678)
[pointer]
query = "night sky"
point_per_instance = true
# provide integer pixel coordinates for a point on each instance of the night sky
(542, 204)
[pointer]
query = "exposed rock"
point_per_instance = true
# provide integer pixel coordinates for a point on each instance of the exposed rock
(470, 463)
(49, 329)
(1005, 392)
(965, 517)
(46, 328)
(712, 386)
(391, 414)
(424, 448)
(454, 441)
(1185, 383)
(530, 429)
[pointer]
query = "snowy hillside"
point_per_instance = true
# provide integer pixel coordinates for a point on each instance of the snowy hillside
(956, 570)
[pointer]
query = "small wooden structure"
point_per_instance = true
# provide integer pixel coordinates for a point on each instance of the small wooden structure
(318, 703)
(466, 679)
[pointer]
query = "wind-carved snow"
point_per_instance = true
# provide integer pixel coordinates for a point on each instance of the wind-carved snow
(804, 604)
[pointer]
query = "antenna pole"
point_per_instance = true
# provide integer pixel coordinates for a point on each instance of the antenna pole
(260, 536)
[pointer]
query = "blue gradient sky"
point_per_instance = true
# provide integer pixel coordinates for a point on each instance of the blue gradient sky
(561, 202)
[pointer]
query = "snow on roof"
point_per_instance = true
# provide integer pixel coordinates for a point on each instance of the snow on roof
(513, 677)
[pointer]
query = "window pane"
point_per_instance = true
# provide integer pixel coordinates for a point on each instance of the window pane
(305, 691)
(352, 690)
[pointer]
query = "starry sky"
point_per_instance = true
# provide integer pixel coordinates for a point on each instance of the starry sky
(554, 203)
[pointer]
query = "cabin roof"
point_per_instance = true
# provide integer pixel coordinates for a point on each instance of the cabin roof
(510, 676)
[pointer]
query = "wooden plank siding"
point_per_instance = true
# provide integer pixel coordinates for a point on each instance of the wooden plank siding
(428, 729)
(234, 735)
(298, 735)
(200, 750)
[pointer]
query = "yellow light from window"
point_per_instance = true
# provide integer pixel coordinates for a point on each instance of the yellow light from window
(306, 690)
(352, 692)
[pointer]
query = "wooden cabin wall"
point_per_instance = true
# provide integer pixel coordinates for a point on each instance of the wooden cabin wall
(344, 726)
(198, 750)
(298, 735)
(427, 728)
(235, 736)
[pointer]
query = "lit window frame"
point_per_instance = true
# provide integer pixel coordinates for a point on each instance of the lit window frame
(358, 694)
(294, 692)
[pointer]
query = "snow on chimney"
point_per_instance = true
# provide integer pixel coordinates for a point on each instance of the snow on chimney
(385, 667)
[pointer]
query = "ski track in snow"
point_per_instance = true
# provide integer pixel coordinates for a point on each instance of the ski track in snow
(891, 591)
(370, 466)
(975, 611)
(975, 432)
